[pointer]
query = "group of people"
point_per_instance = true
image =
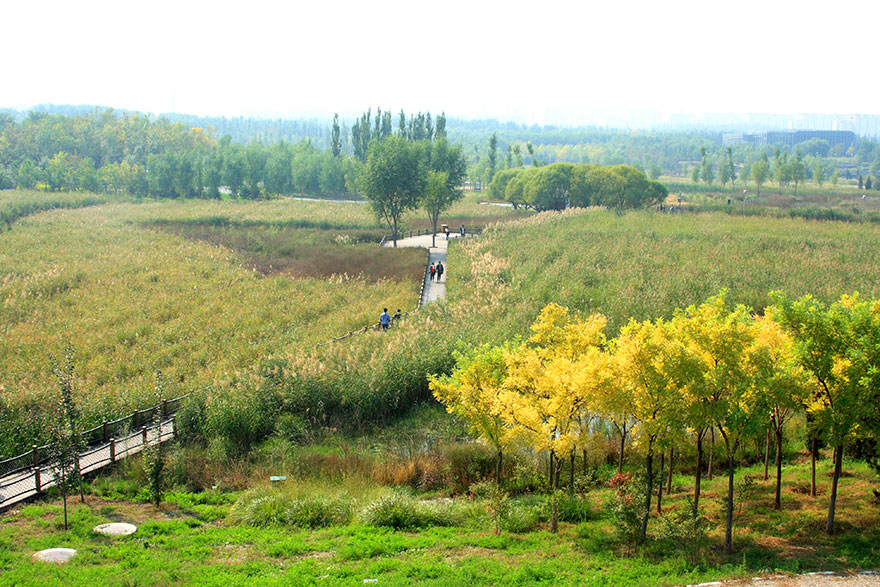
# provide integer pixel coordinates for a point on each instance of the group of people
(436, 271)
(385, 318)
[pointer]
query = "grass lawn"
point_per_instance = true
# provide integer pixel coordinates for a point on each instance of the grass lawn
(191, 540)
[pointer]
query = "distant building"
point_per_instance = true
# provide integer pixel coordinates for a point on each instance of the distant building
(847, 138)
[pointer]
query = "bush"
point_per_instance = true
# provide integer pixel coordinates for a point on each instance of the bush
(468, 463)
(687, 530)
(291, 427)
(626, 506)
(189, 421)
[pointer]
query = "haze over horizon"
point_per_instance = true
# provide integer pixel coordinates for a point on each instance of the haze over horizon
(567, 64)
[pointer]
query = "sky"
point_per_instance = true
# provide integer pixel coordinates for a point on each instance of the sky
(551, 62)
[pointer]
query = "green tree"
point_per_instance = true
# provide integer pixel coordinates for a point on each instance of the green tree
(836, 344)
(798, 170)
(760, 172)
(493, 155)
(26, 177)
(707, 167)
(335, 138)
(66, 440)
(154, 458)
(393, 179)
(819, 172)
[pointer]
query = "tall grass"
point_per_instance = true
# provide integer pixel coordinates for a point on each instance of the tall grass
(133, 301)
(15, 204)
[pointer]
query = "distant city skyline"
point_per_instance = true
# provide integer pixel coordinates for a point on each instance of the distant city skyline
(631, 64)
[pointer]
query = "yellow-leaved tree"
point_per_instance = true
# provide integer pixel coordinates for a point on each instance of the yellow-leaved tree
(785, 383)
(471, 393)
(727, 387)
(648, 356)
(551, 382)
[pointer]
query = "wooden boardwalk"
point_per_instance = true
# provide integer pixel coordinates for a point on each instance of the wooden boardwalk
(29, 482)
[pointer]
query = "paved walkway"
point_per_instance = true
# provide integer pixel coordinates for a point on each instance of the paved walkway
(434, 290)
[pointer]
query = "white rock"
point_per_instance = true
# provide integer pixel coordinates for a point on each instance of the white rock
(115, 529)
(55, 555)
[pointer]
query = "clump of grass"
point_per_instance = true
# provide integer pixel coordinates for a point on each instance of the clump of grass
(400, 510)
(264, 507)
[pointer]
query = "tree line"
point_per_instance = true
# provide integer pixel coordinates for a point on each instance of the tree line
(668, 383)
(562, 185)
(135, 154)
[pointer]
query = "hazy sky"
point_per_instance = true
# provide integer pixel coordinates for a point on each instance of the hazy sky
(536, 61)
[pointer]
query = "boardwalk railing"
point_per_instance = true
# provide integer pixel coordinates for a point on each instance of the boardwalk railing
(31, 473)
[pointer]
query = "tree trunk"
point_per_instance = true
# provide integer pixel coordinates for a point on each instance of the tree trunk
(64, 499)
(669, 478)
(649, 481)
(554, 479)
(82, 497)
(571, 462)
(585, 460)
(660, 485)
(498, 468)
(699, 473)
(777, 504)
(813, 450)
(767, 454)
(838, 465)
(622, 444)
(711, 452)
(434, 235)
(550, 472)
(728, 531)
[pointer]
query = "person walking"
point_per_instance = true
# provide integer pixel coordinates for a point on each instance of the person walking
(384, 319)
(433, 271)
(439, 271)
(397, 316)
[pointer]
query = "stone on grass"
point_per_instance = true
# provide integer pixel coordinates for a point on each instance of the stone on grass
(55, 555)
(115, 529)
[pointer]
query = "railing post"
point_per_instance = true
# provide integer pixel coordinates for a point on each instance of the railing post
(112, 450)
(136, 417)
(164, 408)
(37, 480)
(36, 454)
(144, 434)
(104, 430)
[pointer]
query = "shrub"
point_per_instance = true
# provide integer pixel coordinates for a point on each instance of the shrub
(687, 530)
(625, 506)
(467, 463)
(497, 503)
(189, 421)
(291, 427)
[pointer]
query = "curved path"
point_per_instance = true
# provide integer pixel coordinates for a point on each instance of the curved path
(434, 290)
